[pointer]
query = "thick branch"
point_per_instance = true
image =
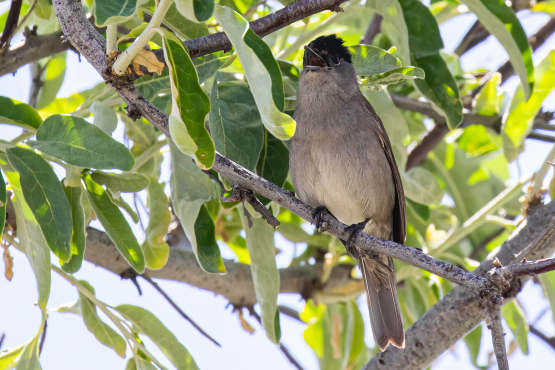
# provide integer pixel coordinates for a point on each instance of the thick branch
(374, 28)
(34, 48)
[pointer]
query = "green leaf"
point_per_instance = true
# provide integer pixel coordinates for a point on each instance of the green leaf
(29, 358)
(3, 203)
(547, 282)
(273, 164)
(261, 70)
(115, 225)
(182, 26)
(438, 86)
(239, 247)
(208, 65)
(516, 321)
(53, 79)
(265, 275)
(393, 121)
(235, 124)
(393, 25)
(196, 10)
(63, 105)
(10, 356)
(143, 364)
(421, 186)
(103, 333)
(20, 114)
(190, 189)
(79, 236)
(520, 120)
(501, 21)
(473, 341)
(115, 11)
(43, 9)
(124, 182)
(147, 323)
(46, 199)
(156, 250)
(116, 198)
(190, 105)
(105, 117)
(4, 17)
(476, 140)
(81, 144)
(380, 67)
(31, 238)
(488, 100)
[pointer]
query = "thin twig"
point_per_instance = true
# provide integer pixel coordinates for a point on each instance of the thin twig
(43, 336)
(294, 314)
(176, 307)
(548, 340)
(374, 28)
(2, 339)
(493, 311)
(283, 349)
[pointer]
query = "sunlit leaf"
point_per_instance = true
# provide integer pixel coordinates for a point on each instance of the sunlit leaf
(516, 321)
(53, 79)
(147, 323)
(124, 182)
(82, 144)
(79, 237)
(260, 242)
(190, 189)
(103, 333)
(46, 199)
(547, 281)
(261, 70)
(501, 21)
(115, 11)
(174, 20)
(190, 105)
(196, 10)
(156, 250)
(19, 114)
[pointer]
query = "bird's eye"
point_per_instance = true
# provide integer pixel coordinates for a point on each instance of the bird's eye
(335, 59)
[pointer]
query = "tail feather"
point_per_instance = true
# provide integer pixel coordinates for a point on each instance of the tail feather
(385, 313)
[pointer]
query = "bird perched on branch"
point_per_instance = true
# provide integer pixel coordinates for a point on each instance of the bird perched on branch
(341, 162)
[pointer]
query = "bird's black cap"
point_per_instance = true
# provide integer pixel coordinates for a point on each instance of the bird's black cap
(330, 48)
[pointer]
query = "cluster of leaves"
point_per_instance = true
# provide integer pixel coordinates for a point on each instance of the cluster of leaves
(241, 104)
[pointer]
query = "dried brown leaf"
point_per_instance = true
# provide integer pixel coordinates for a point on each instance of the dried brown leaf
(336, 334)
(8, 262)
(137, 68)
(149, 60)
(244, 322)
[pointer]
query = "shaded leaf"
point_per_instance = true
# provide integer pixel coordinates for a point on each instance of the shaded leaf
(175, 21)
(273, 163)
(547, 282)
(46, 199)
(115, 11)
(3, 203)
(147, 323)
(235, 124)
(115, 225)
(105, 117)
(19, 114)
(421, 186)
(79, 143)
(103, 333)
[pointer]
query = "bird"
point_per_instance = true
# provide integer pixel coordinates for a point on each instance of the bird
(341, 162)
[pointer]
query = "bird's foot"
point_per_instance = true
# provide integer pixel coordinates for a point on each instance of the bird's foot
(317, 217)
(354, 230)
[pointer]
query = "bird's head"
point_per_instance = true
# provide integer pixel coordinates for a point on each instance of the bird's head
(325, 52)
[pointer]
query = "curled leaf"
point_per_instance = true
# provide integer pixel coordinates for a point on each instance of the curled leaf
(148, 59)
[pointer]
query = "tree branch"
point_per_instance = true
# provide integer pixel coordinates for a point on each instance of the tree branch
(498, 336)
(374, 28)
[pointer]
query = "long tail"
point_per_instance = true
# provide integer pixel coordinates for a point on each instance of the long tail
(378, 274)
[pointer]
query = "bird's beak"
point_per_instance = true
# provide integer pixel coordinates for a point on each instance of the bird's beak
(312, 60)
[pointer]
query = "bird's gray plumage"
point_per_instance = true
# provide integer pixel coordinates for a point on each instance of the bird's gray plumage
(341, 159)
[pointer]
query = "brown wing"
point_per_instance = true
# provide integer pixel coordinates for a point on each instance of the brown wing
(399, 212)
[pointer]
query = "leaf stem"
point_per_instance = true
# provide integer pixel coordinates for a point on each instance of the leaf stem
(152, 151)
(125, 58)
(111, 38)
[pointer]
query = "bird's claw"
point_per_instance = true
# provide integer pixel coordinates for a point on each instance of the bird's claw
(354, 230)
(317, 217)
